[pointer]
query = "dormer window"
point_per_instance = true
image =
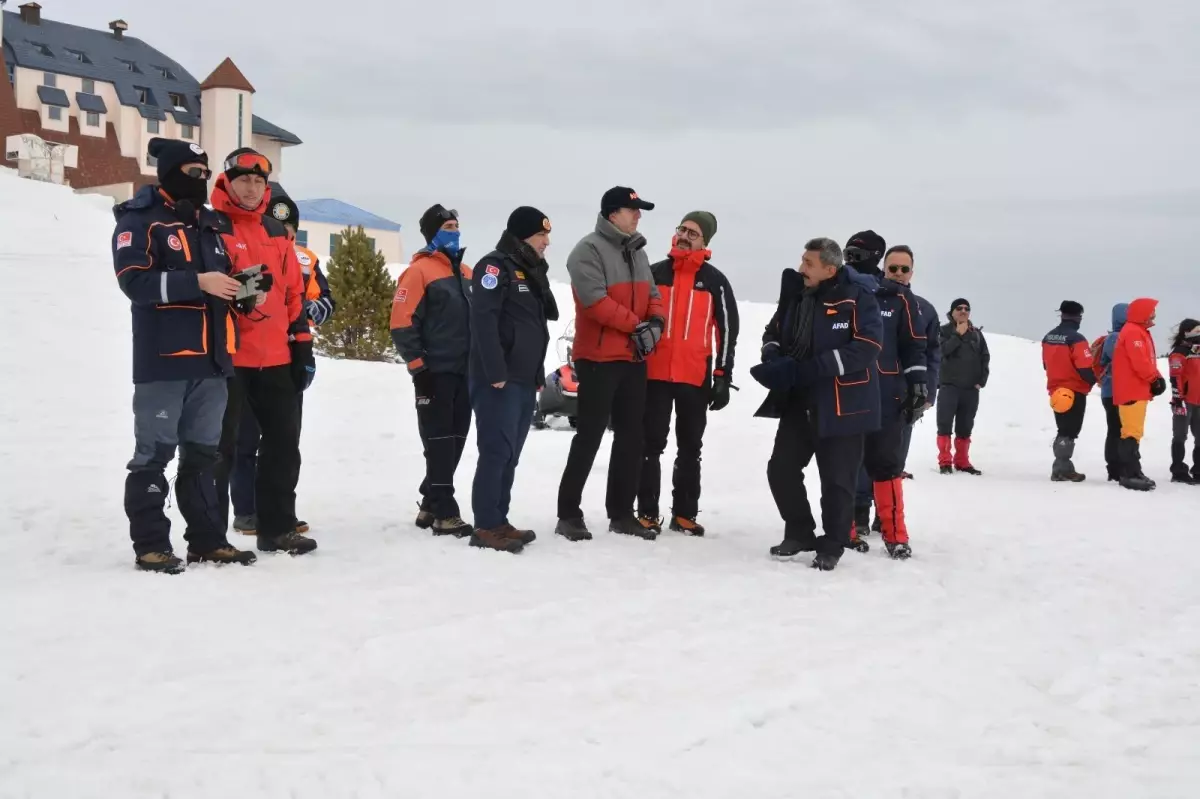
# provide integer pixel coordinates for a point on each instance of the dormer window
(143, 95)
(129, 65)
(77, 55)
(42, 49)
(165, 73)
(178, 101)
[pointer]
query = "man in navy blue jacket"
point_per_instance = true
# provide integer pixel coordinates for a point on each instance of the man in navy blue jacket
(818, 352)
(170, 262)
(899, 266)
(510, 303)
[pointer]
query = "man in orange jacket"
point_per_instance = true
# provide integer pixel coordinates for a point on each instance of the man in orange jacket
(319, 305)
(690, 370)
(1067, 359)
(274, 360)
(1136, 380)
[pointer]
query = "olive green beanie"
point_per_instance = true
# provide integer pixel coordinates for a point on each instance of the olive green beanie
(705, 221)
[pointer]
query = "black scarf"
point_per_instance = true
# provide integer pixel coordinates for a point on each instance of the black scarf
(535, 266)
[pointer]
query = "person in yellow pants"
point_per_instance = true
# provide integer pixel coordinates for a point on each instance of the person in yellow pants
(1136, 381)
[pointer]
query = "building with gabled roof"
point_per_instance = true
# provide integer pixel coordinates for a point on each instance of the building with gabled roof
(322, 222)
(108, 94)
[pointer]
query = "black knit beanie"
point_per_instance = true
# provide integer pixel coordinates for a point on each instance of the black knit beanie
(527, 221)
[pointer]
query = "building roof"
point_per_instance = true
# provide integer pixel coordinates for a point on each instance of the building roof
(144, 78)
(52, 96)
(227, 76)
(336, 212)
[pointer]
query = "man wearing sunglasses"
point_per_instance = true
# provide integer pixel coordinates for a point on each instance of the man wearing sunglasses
(274, 360)
(172, 264)
(431, 328)
(689, 372)
(618, 322)
(901, 372)
(899, 265)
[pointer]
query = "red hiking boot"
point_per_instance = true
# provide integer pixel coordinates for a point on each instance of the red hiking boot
(945, 458)
(962, 456)
(889, 504)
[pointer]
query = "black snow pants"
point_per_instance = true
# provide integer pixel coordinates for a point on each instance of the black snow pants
(443, 420)
(690, 405)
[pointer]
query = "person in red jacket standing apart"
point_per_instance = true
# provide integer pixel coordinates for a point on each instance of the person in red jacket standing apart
(1136, 380)
(274, 360)
(618, 323)
(1067, 359)
(1185, 401)
(690, 370)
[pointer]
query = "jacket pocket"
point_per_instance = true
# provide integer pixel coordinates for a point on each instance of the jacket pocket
(181, 330)
(852, 393)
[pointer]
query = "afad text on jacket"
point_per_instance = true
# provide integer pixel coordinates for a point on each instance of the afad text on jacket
(614, 292)
(266, 332)
(700, 335)
(431, 313)
(179, 332)
(901, 360)
(846, 334)
(1067, 359)
(1134, 367)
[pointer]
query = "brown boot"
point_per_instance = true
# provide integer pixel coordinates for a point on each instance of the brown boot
(496, 538)
(524, 536)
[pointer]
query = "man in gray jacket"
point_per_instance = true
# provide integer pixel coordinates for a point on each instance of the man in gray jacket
(618, 322)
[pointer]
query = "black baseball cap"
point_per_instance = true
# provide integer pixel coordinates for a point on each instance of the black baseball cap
(619, 197)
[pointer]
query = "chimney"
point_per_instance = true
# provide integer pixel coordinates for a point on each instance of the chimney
(118, 27)
(31, 13)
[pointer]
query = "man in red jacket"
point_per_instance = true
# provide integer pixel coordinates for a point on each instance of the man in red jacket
(618, 322)
(690, 370)
(1067, 359)
(274, 360)
(1136, 380)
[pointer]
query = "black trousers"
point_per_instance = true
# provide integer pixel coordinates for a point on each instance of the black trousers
(1070, 424)
(443, 420)
(1112, 437)
(270, 396)
(1180, 426)
(615, 390)
(956, 409)
(838, 462)
(690, 404)
(882, 458)
(245, 458)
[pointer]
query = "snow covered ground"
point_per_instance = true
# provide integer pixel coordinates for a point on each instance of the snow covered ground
(1044, 641)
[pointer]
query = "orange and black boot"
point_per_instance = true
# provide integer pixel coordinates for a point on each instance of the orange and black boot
(889, 503)
(651, 523)
(945, 457)
(687, 525)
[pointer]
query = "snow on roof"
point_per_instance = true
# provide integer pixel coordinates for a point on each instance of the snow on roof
(336, 212)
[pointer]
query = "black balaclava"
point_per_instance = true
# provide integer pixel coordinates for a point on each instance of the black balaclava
(171, 154)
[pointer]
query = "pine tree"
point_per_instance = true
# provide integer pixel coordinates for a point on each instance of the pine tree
(359, 329)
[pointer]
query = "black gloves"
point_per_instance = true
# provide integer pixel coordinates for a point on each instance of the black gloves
(914, 402)
(646, 335)
(423, 385)
(304, 366)
(1158, 386)
(256, 281)
(718, 395)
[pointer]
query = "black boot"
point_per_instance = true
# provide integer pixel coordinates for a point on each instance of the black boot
(1063, 470)
(290, 542)
(160, 563)
(573, 530)
(628, 525)
(862, 520)
(145, 502)
(790, 547)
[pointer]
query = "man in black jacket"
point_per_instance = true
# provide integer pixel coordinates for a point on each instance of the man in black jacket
(511, 300)
(172, 265)
(965, 369)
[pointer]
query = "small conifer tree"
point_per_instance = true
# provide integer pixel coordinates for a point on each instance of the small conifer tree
(360, 327)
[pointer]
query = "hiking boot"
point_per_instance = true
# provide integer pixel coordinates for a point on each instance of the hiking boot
(513, 534)
(899, 551)
(496, 538)
(790, 547)
(452, 526)
(687, 526)
(628, 525)
(246, 525)
(225, 554)
(825, 562)
(301, 527)
(906, 475)
(1068, 477)
(968, 470)
(161, 562)
(651, 523)
(946, 469)
(424, 518)
(1138, 482)
(573, 530)
(290, 542)
(862, 521)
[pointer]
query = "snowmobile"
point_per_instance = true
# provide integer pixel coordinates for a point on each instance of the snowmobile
(560, 395)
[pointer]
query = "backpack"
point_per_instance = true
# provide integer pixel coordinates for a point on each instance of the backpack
(1098, 366)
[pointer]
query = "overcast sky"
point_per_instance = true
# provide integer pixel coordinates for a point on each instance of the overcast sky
(1030, 151)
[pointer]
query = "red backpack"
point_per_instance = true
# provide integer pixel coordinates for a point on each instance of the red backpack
(1097, 348)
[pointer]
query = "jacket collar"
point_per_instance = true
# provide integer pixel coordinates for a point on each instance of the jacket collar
(223, 201)
(609, 231)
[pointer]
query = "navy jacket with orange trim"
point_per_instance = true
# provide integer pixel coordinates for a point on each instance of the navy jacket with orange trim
(431, 314)
(179, 332)
(846, 334)
(903, 345)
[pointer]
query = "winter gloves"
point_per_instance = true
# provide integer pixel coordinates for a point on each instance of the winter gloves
(304, 366)
(914, 402)
(256, 281)
(718, 395)
(1179, 407)
(782, 373)
(318, 310)
(646, 335)
(1158, 386)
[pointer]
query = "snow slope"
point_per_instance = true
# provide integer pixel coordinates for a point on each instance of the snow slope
(1043, 642)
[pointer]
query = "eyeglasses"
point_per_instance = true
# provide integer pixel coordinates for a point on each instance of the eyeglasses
(688, 233)
(198, 172)
(963, 308)
(857, 255)
(903, 269)
(249, 162)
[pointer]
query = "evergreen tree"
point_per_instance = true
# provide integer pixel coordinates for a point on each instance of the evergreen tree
(360, 327)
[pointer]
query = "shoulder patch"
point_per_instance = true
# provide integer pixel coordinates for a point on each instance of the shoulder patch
(124, 240)
(174, 243)
(489, 281)
(280, 211)
(492, 269)
(303, 259)
(401, 295)
(197, 149)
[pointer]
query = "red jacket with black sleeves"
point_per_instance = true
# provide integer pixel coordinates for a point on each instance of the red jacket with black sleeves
(1133, 365)
(614, 292)
(1185, 373)
(1067, 359)
(266, 332)
(702, 320)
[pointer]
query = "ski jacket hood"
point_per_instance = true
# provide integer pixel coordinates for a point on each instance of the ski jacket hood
(1140, 311)
(1119, 313)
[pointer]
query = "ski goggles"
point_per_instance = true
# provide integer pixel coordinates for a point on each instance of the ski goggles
(446, 214)
(857, 255)
(249, 163)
